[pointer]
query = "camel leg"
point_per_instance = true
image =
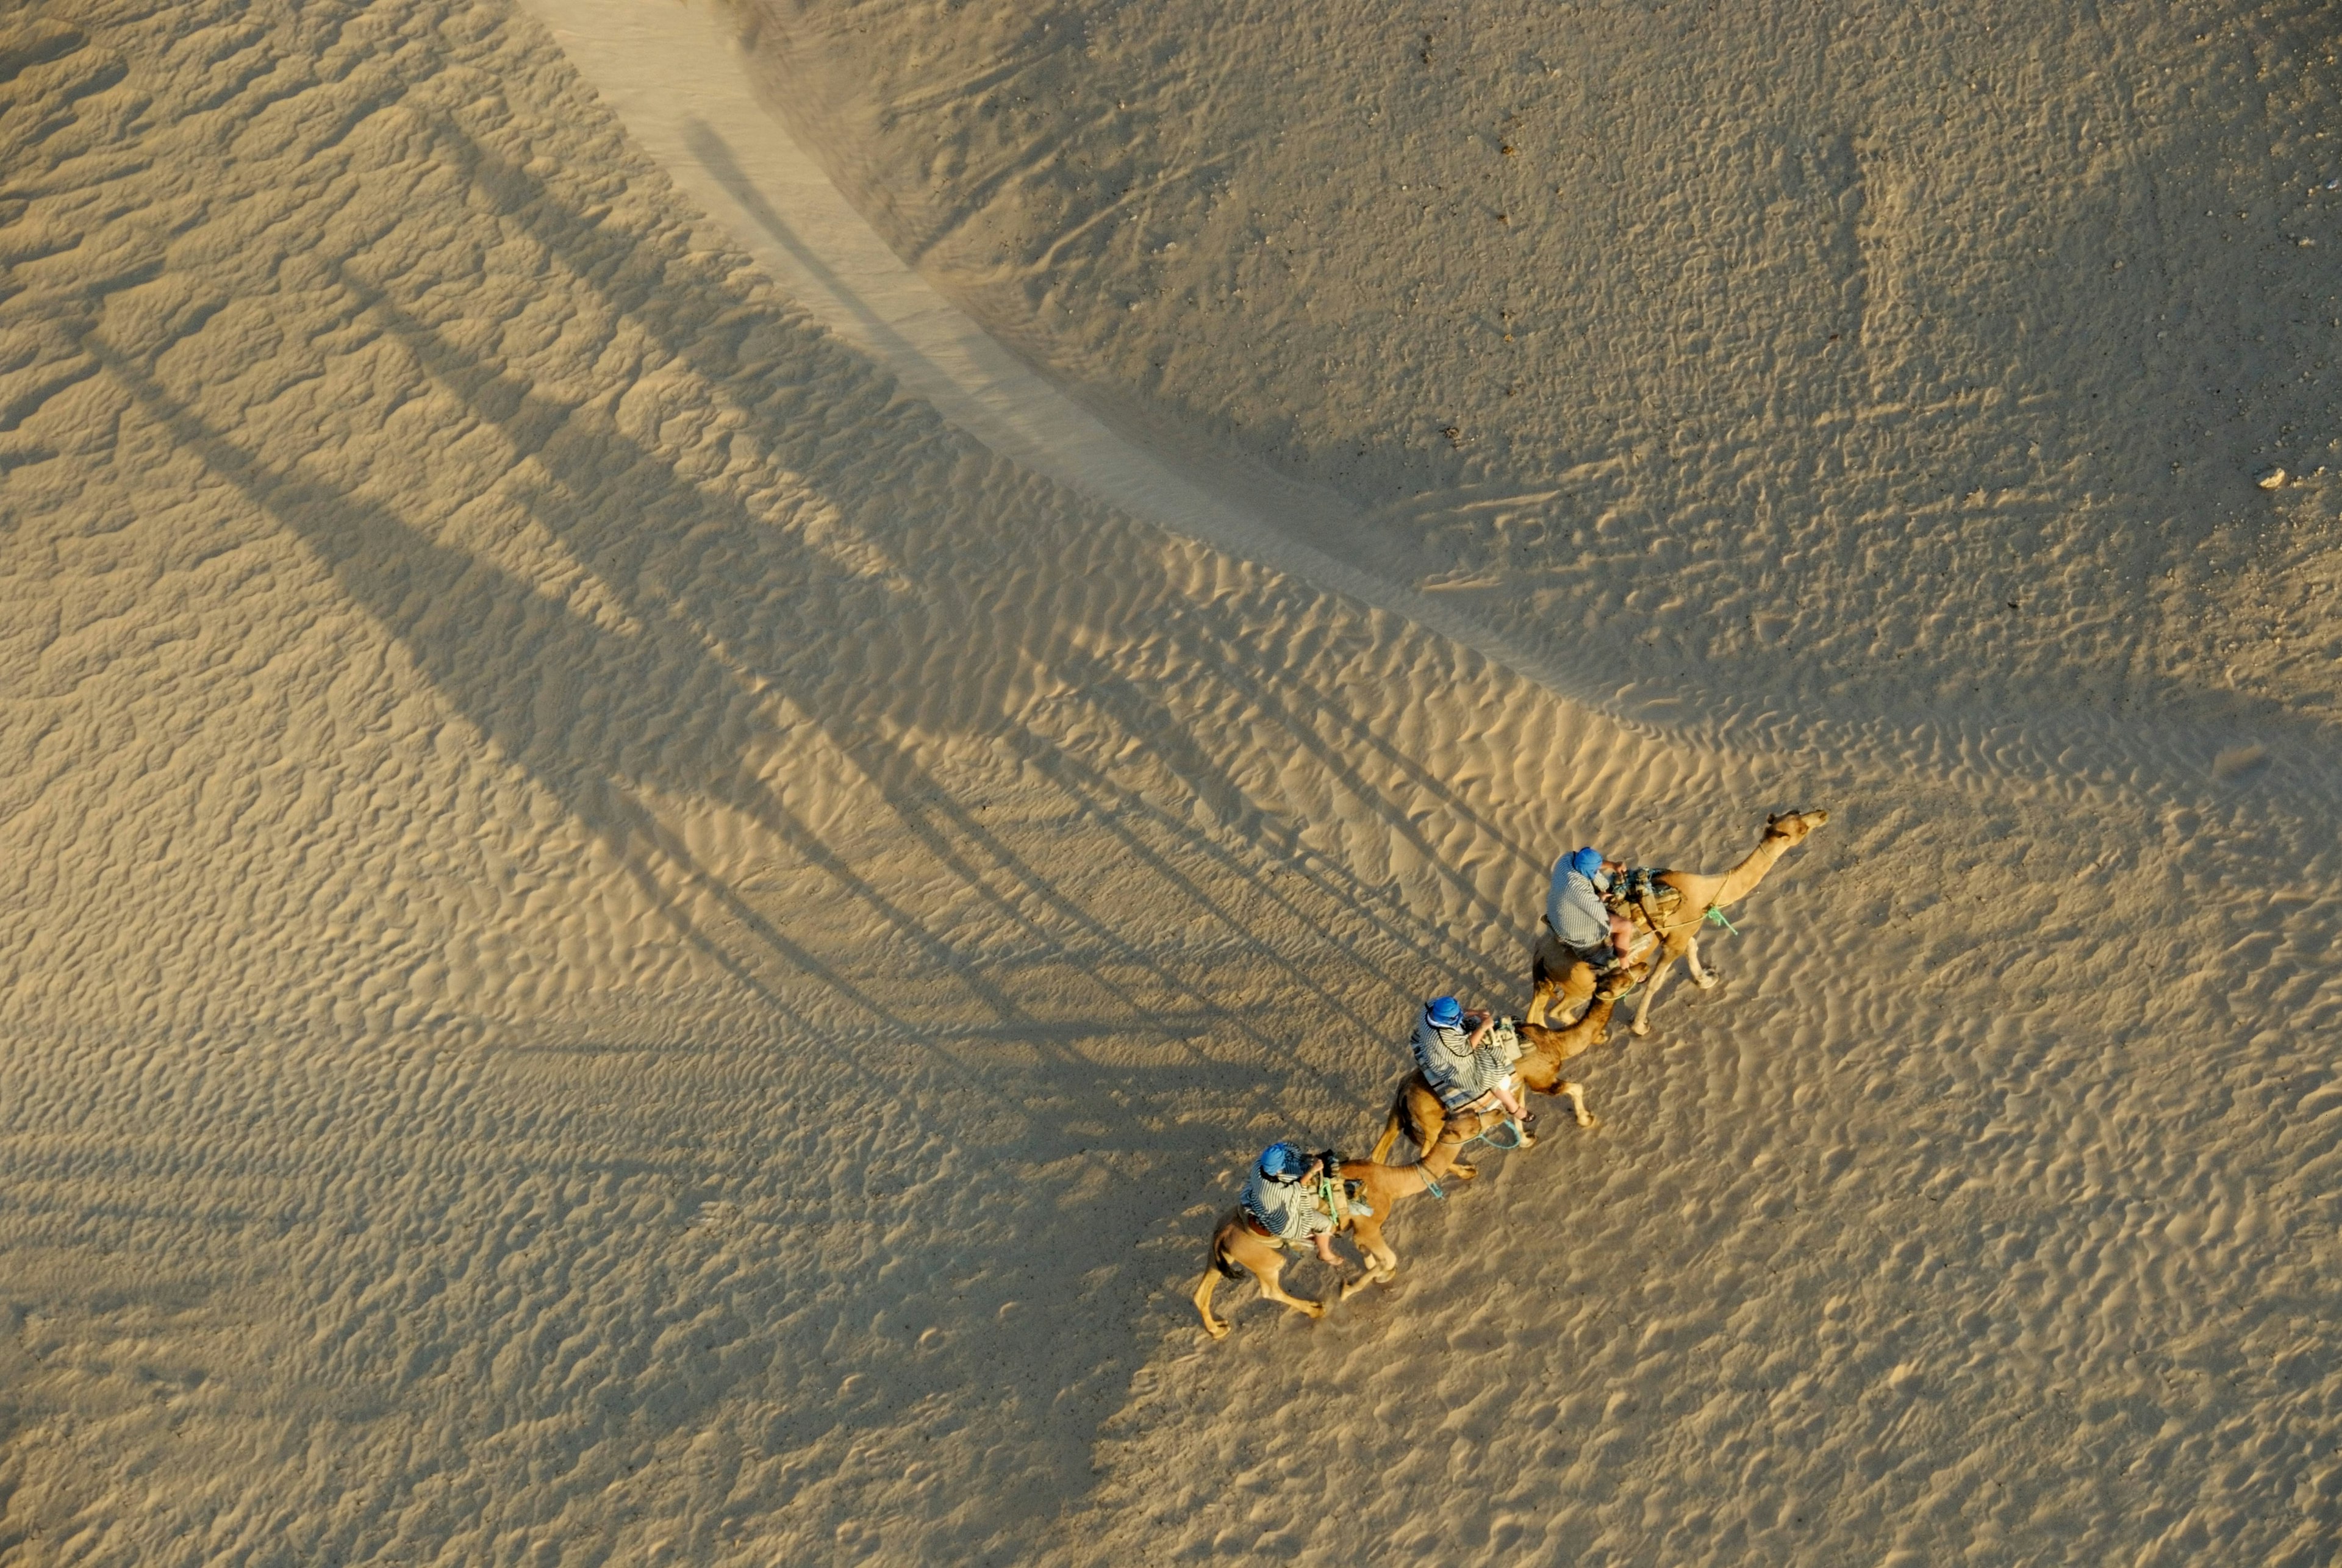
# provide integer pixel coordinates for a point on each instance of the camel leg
(1442, 1156)
(1575, 1094)
(1559, 997)
(1548, 961)
(1704, 978)
(1430, 1124)
(1217, 1328)
(1418, 1112)
(1651, 993)
(1540, 999)
(1265, 1264)
(1577, 991)
(1381, 1262)
(1270, 1290)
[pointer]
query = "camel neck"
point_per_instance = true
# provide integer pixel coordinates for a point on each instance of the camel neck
(1751, 871)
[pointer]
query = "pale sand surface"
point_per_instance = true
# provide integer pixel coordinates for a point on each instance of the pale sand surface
(622, 943)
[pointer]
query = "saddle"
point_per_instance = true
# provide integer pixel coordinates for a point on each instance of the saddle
(1346, 1206)
(1639, 895)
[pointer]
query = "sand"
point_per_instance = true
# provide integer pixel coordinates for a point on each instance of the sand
(668, 838)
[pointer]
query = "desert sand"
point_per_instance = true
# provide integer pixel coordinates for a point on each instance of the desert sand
(706, 711)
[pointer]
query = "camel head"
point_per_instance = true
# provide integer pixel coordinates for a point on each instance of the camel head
(1794, 826)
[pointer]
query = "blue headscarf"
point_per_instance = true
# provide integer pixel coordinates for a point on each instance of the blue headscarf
(1285, 1161)
(1586, 863)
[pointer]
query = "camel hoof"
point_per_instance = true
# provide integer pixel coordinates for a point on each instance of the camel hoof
(1215, 1328)
(1588, 1119)
(1462, 1172)
(1714, 978)
(1314, 1309)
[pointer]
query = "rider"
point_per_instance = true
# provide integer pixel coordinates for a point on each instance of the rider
(1466, 1074)
(1574, 910)
(1583, 946)
(1281, 1197)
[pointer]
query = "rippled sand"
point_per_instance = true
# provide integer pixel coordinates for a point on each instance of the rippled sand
(639, 928)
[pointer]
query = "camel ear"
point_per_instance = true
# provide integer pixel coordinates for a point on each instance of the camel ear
(1772, 819)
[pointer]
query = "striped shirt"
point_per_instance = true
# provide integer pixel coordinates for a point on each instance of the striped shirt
(1289, 1209)
(1456, 1072)
(1574, 907)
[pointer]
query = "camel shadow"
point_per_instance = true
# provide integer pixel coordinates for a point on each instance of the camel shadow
(700, 615)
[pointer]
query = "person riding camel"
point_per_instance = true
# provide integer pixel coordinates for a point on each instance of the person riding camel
(1577, 912)
(1281, 1199)
(1584, 948)
(1467, 1074)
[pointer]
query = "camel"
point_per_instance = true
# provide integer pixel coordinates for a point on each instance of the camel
(1236, 1245)
(1560, 978)
(1415, 1110)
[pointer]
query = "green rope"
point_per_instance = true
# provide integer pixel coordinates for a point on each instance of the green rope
(1519, 1137)
(1717, 915)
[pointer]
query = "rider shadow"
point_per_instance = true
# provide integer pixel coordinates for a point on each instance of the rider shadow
(1429, 950)
(547, 687)
(988, 660)
(722, 614)
(485, 639)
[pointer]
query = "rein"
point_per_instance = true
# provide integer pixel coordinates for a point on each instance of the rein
(1714, 911)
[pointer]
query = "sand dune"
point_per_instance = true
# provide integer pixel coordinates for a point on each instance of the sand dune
(633, 935)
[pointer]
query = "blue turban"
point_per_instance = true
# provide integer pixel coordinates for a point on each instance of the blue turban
(1285, 1161)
